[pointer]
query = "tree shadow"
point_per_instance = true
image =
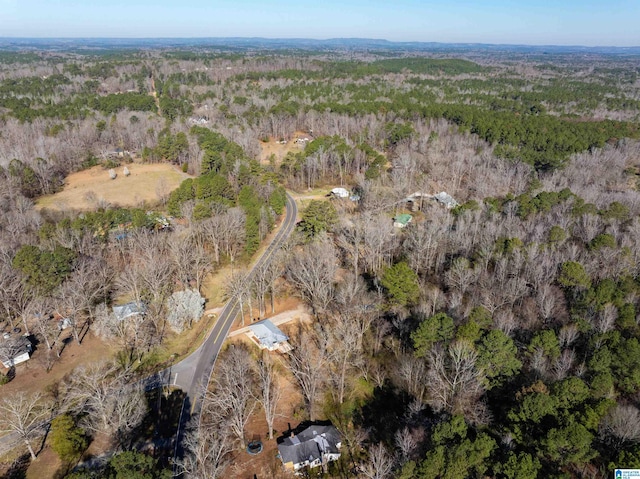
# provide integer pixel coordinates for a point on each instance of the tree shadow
(18, 469)
(163, 414)
(158, 430)
(65, 342)
(384, 413)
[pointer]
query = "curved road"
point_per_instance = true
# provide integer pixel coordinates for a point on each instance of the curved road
(193, 373)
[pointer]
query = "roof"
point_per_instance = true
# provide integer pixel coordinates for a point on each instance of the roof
(125, 311)
(310, 444)
(268, 333)
(340, 192)
(403, 219)
(446, 199)
(12, 350)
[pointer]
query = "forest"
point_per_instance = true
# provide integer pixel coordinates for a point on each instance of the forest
(494, 336)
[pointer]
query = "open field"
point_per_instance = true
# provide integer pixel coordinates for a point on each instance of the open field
(87, 189)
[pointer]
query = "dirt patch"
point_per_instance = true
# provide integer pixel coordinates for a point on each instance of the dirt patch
(31, 376)
(279, 147)
(87, 189)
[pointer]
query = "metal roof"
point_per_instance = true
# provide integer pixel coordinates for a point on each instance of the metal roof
(268, 333)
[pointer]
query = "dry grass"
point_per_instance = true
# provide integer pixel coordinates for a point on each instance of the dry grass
(279, 151)
(46, 465)
(31, 376)
(85, 189)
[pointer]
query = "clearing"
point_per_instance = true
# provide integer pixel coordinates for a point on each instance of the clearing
(87, 189)
(279, 150)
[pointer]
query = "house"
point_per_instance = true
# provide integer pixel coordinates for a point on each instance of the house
(339, 193)
(129, 310)
(268, 336)
(15, 350)
(445, 199)
(401, 221)
(314, 446)
(118, 153)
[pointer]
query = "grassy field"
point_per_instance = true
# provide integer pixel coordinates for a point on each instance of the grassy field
(88, 189)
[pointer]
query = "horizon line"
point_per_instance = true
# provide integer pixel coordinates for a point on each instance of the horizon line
(328, 39)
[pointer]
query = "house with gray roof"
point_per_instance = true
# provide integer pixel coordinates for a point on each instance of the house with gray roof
(445, 199)
(312, 447)
(268, 336)
(129, 310)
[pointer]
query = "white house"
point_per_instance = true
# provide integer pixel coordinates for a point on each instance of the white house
(268, 336)
(314, 446)
(340, 193)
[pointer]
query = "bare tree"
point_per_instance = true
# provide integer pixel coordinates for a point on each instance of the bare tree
(231, 399)
(24, 415)
(69, 304)
(455, 382)
(43, 324)
(412, 374)
(238, 287)
(345, 355)
(106, 394)
(190, 259)
(622, 423)
(207, 453)
(379, 243)
(546, 299)
(460, 276)
(312, 271)
(307, 362)
(406, 441)
(350, 238)
(269, 390)
(563, 364)
(380, 463)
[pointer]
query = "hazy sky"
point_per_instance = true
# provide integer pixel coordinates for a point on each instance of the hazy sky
(560, 22)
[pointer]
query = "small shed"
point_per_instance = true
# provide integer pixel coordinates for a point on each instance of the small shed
(401, 221)
(268, 336)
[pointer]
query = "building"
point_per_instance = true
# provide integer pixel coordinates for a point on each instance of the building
(15, 350)
(340, 193)
(445, 199)
(129, 310)
(314, 446)
(401, 221)
(268, 336)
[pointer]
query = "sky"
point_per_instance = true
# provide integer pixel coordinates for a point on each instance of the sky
(532, 22)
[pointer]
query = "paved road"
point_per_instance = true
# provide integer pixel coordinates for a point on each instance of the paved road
(192, 374)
